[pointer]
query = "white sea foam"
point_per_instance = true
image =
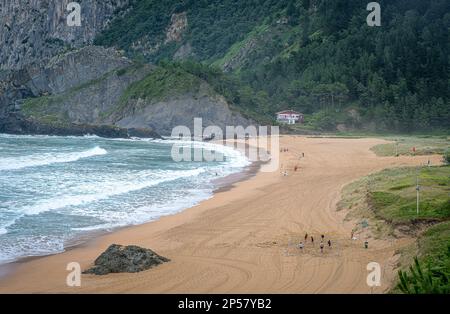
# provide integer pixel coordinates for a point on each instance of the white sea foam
(44, 159)
(31, 246)
(4, 227)
(235, 158)
(39, 136)
(107, 189)
(147, 213)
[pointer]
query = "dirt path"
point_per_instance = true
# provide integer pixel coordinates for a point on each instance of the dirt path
(241, 240)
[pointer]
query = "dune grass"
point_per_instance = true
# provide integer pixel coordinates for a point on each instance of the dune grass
(403, 145)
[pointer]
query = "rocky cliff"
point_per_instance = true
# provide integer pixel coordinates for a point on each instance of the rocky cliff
(98, 87)
(33, 31)
(52, 80)
(62, 73)
(179, 110)
(33, 37)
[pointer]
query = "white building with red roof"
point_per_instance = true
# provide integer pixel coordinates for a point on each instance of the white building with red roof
(289, 117)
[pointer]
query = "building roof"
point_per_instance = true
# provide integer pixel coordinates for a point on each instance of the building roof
(288, 112)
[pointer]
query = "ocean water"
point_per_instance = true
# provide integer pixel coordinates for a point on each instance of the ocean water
(54, 190)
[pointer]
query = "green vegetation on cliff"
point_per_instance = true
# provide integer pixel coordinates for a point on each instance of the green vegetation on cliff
(44, 109)
(162, 82)
(214, 25)
(171, 79)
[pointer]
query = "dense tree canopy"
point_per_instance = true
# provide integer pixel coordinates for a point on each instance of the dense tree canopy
(317, 56)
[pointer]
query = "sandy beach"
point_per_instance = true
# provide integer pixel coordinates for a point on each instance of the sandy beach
(240, 241)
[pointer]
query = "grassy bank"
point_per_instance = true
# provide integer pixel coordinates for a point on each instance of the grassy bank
(404, 145)
(385, 203)
(390, 196)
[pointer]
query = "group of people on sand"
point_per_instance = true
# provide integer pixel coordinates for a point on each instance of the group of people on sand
(301, 245)
(286, 150)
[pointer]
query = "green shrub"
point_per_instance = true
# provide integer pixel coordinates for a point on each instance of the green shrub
(121, 72)
(431, 280)
(447, 157)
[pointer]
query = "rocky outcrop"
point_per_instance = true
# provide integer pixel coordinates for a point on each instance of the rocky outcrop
(34, 41)
(34, 31)
(77, 67)
(171, 37)
(240, 57)
(180, 110)
(20, 125)
(61, 74)
(68, 95)
(178, 24)
(81, 86)
(184, 52)
(125, 259)
(65, 71)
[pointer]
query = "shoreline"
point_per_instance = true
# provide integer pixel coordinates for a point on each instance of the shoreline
(238, 240)
(220, 185)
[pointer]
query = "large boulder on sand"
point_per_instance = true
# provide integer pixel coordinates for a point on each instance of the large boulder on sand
(125, 259)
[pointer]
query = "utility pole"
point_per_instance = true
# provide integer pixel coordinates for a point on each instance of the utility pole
(417, 189)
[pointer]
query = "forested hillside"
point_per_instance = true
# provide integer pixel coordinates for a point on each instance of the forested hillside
(316, 56)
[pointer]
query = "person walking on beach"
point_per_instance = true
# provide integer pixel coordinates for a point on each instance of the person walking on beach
(366, 244)
(329, 243)
(306, 237)
(312, 240)
(321, 247)
(301, 246)
(323, 237)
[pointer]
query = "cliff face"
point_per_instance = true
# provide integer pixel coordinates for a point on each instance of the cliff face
(80, 86)
(60, 74)
(74, 68)
(93, 87)
(33, 31)
(179, 110)
(53, 81)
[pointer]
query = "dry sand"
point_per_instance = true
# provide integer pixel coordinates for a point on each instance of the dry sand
(240, 240)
